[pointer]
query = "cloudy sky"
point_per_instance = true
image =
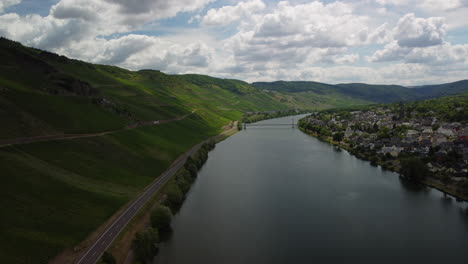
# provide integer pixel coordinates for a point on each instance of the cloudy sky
(407, 42)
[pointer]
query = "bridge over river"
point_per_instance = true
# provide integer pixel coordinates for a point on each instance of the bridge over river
(292, 124)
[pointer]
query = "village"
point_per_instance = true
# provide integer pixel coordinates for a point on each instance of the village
(383, 136)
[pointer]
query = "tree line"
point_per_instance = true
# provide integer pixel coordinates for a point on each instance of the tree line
(145, 244)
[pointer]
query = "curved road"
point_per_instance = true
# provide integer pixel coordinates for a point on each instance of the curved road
(93, 254)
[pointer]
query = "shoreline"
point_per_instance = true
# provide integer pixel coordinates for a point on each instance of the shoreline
(428, 182)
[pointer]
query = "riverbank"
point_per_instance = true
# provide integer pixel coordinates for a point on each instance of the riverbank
(121, 248)
(393, 166)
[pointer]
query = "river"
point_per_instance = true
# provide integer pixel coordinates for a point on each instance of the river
(277, 195)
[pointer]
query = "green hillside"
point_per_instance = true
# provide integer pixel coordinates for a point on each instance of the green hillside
(297, 87)
(365, 92)
(429, 91)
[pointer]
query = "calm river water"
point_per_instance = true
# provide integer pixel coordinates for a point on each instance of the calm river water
(277, 195)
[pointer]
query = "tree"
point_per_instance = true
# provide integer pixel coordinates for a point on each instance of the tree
(161, 217)
(175, 197)
(107, 258)
(338, 136)
(414, 168)
(145, 245)
(384, 133)
(184, 181)
(191, 167)
(375, 127)
(464, 186)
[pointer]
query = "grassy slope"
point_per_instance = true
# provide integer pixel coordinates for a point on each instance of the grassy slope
(56, 193)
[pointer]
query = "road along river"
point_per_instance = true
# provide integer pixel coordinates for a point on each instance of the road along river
(276, 195)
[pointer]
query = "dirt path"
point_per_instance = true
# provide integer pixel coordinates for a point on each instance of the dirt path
(27, 140)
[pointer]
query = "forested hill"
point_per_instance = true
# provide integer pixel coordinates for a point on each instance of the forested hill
(368, 92)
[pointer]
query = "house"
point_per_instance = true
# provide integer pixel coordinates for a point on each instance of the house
(463, 134)
(393, 150)
(427, 131)
(425, 143)
(426, 122)
(438, 139)
(348, 132)
(412, 133)
(446, 132)
(440, 155)
(446, 146)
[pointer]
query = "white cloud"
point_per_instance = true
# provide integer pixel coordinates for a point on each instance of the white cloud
(291, 36)
(4, 4)
(438, 5)
(419, 32)
(310, 41)
(117, 16)
(72, 22)
(427, 4)
(392, 2)
(442, 54)
(43, 32)
(228, 14)
(158, 9)
(421, 40)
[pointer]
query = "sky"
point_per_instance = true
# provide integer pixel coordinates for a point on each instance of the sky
(407, 42)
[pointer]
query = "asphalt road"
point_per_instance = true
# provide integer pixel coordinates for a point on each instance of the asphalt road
(94, 252)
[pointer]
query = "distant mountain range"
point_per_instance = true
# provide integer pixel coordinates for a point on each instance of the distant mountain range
(368, 92)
